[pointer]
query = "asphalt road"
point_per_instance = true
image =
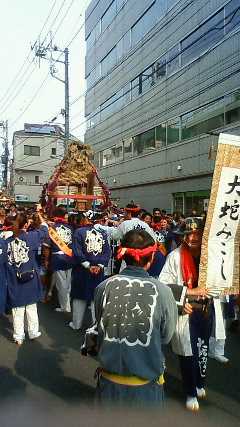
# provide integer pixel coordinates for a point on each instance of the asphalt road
(47, 382)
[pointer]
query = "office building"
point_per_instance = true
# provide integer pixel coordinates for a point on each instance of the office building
(161, 75)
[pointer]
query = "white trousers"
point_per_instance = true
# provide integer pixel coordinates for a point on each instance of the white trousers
(18, 322)
(62, 279)
(79, 307)
(217, 345)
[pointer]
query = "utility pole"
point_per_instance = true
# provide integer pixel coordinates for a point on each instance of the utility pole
(41, 52)
(5, 161)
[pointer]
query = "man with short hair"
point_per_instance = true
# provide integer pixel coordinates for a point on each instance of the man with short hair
(135, 315)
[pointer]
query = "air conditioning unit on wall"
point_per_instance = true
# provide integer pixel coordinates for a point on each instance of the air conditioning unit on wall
(22, 179)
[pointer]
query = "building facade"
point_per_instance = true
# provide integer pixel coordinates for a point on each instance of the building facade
(36, 151)
(161, 75)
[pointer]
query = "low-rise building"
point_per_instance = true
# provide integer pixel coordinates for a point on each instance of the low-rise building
(36, 151)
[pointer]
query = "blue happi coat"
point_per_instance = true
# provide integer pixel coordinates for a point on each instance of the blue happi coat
(90, 247)
(21, 252)
(60, 261)
(3, 283)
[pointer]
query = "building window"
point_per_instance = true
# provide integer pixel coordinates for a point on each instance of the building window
(173, 59)
(128, 145)
(203, 37)
(161, 135)
(108, 15)
(144, 24)
(31, 150)
(173, 128)
(37, 180)
(54, 151)
(232, 15)
(232, 107)
(203, 119)
(144, 142)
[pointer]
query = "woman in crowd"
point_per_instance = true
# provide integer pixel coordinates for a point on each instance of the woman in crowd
(24, 284)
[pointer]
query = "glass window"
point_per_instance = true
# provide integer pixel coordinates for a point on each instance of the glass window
(203, 119)
(135, 88)
(91, 78)
(146, 80)
(232, 15)
(120, 48)
(144, 143)
(144, 24)
(54, 151)
(126, 93)
(97, 72)
(120, 3)
(137, 146)
(104, 66)
(161, 135)
(112, 58)
(160, 67)
(94, 117)
(31, 150)
(202, 38)
(173, 127)
(127, 41)
(107, 157)
(148, 140)
(173, 59)
(96, 160)
(108, 107)
(37, 180)
(118, 151)
(119, 99)
(109, 61)
(128, 148)
(161, 8)
(232, 107)
(108, 15)
(98, 29)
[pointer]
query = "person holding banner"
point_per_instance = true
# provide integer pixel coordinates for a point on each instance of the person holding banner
(191, 338)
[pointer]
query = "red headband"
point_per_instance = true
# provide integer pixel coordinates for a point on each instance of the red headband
(5, 227)
(56, 219)
(133, 209)
(136, 253)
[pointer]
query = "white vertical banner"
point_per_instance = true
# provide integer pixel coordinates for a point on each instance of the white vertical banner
(223, 229)
(219, 265)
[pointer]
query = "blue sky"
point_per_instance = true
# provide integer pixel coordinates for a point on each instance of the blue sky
(28, 93)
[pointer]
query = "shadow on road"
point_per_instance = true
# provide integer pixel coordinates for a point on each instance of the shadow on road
(40, 367)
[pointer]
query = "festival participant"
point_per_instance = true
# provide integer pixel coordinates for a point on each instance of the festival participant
(131, 222)
(6, 230)
(167, 235)
(24, 284)
(191, 338)
(3, 283)
(147, 217)
(2, 215)
(135, 315)
(91, 253)
(12, 209)
(58, 257)
(157, 213)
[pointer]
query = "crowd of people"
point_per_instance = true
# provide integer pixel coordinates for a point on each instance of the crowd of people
(137, 272)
